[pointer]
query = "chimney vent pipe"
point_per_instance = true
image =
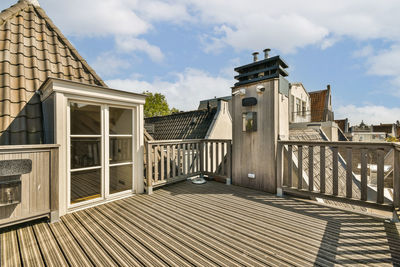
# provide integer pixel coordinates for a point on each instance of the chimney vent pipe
(266, 53)
(255, 56)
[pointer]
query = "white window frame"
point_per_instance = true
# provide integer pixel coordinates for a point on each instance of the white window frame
(105, 153)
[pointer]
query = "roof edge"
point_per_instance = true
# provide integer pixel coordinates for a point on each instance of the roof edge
(62, 37)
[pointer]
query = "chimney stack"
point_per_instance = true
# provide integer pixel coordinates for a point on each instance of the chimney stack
(255, 56)
(32, 2)
(328, 87)
(266, 53)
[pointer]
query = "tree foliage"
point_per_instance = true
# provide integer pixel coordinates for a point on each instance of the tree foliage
(157, 105)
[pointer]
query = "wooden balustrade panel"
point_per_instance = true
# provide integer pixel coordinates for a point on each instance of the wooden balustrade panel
(290, 165)
(322, 170)
(364, 174)
(176, 160)
(349, 172)
(345, 171)
(311, 168)
(300, 167)
(380, 175)
(335, 171)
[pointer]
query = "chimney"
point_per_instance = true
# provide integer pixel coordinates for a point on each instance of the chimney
(32, 2)
(328, 87)
(266, 53)
(255, 56)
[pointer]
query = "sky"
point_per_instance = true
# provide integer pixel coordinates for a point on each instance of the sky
(188, 49)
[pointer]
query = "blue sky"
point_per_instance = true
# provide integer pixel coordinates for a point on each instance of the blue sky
(187, 49)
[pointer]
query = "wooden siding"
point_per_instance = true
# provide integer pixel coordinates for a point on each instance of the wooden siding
(254, 152)
(204, 225)
(39, 188)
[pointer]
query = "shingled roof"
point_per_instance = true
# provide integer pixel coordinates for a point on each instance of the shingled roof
(32, 49)
(184, 125)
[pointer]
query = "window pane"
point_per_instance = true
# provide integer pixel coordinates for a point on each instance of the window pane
(120, 178)
(120, 149)
(85, 119)
(85, 152)
(120, 121)
(85, 185)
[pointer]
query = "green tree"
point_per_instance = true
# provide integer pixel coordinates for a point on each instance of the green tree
(157, 105)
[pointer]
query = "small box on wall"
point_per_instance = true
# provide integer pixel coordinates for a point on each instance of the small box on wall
(249, 121)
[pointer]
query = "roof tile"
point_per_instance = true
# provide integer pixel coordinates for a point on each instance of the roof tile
(184, 125)
(32, 49)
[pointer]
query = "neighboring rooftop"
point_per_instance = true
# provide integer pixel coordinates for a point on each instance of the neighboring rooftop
(32, 49)
(213, 102)
(184, 125)
(321, 106)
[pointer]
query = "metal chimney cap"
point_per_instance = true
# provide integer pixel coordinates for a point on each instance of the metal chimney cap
(255, 56)
(266, 52)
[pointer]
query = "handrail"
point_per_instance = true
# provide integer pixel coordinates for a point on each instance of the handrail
(340, 143)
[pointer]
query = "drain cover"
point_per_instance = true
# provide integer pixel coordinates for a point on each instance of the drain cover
(199, 180)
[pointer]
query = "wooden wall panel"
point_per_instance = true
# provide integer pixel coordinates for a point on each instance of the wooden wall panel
(255, 152)
(35, 186)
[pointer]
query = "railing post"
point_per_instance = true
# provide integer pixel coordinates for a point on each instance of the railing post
(149, 177)
(279, 170)
(229, 163)
(396, 178)
(201, 155)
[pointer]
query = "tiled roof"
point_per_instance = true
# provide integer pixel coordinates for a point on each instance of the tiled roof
(318, 100)
(184, 125)
(32, 49)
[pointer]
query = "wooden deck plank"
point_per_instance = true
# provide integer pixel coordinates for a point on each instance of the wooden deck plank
(211, 224)
(97, 254)
(70, 248)
(137, 248)
(9, 251)
(166, 253)
(120, 255)
(52, 253)
(218, 252)
(179, 245)
(30, 251)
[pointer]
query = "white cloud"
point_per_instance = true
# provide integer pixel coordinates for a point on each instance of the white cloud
(180, 93)
(370, 114)
(129, 44)
(108, 64)
(366, 51)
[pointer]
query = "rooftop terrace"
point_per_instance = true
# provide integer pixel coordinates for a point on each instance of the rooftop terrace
(204, 225)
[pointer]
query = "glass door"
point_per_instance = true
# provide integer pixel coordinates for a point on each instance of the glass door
(120, 162)
(85, 152)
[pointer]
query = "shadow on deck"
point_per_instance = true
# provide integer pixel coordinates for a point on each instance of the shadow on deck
(205, 225)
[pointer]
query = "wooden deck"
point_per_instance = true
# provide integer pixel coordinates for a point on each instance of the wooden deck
(204, 225)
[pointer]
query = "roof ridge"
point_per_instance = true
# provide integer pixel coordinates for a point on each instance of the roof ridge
(319, 91)
(180, 113)
(62, 37)
(12, 11)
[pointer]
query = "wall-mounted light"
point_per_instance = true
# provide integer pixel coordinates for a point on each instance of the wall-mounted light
(241, 92)
(260, 89)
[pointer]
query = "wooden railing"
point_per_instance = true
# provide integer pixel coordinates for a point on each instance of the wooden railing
(175, 160)
(349, 172)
